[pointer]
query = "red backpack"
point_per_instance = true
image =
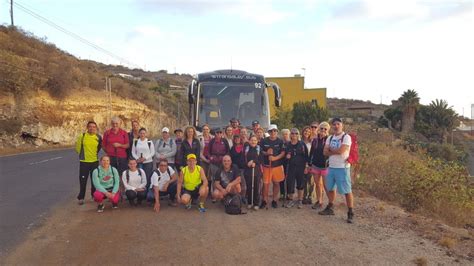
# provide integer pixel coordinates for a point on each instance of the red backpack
(354, 150)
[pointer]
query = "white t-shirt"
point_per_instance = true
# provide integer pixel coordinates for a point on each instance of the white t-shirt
(160, 181)
(135, 180)
(334, 142)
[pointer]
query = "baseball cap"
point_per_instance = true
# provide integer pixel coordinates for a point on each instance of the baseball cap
(336, 119)
(272, 127)
(217, 129)
(255, 122)
(191, 156)
(165, 129)
(178, 130)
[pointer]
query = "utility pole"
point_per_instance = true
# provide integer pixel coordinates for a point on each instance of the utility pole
(159, 110)
(11, 12)
(179, 120)
(108, 95)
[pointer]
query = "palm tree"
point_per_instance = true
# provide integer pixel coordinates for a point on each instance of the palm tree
(409, 103)
(442, 118)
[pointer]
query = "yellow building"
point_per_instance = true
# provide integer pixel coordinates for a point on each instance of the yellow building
(292, 91)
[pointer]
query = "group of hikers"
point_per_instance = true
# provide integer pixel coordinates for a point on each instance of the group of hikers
(224, 163)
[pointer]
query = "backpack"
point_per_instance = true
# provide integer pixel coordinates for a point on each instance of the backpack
(160, 142)
(159, 173)
(128, 174)
(233, 204)
(353, 150)
(148, 141)
(113, 175)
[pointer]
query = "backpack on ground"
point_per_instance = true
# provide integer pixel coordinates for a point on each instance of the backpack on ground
(233, 204)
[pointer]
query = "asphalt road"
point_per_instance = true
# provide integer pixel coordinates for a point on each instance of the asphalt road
(31, 184)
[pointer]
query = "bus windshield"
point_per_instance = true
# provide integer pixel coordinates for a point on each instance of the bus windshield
(219, 102)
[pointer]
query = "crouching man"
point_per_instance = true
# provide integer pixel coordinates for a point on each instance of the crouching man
(227, 179)
(163, 183)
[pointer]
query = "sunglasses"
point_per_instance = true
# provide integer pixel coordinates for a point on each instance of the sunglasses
(273, 130)
(164, 165)
(314, 126)
(323, 128)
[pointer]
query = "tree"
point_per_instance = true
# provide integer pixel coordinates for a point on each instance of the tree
(283, 117)
(442, 118)
(436, 120)
(304, 113)
(409, 103)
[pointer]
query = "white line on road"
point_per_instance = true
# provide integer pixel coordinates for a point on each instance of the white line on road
(47, 160)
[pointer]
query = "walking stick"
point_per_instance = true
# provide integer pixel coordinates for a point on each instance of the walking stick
(285, 184)
(253, 180)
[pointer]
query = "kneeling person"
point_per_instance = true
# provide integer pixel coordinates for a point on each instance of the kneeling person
(163, 182)
(192, 184)
(227, 179)
(134, 181)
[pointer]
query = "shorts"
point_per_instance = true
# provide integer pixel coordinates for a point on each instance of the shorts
(316, 171)
(194, 193)
(340, 177)
(274, 174)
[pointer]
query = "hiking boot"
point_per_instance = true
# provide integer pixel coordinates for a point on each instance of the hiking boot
(80, 202)
(300, 204)
(317, 206)
(114, 206)
(249, 206)
(306, 201)
(172, 203)
(244, 201)
(290, 204)
(350, 217)
(282, 197)
(327, 211)
(263, 205)
(201, 207)
(274, 204)
(100, 208)
(256, 207)
(188, 206)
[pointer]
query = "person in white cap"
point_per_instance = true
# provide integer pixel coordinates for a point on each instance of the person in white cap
(273, 149)
(165, 148)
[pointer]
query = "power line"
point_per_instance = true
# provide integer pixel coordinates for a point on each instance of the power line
(72, 34)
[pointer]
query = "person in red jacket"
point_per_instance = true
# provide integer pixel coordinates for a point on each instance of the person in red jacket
(115, 144)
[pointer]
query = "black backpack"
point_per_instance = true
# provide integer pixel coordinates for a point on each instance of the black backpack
(127, 174)
(233, 204)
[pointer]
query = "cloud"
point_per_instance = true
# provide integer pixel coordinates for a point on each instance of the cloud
(143, 31)
(260, 12)
(398, 11)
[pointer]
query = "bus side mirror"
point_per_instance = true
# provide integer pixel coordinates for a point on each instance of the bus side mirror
(191, 89)
(277, 92)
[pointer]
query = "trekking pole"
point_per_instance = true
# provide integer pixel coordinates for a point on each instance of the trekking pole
(285, 183)
(253, 180)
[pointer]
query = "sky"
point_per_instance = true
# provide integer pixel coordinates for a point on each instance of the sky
(360, 49)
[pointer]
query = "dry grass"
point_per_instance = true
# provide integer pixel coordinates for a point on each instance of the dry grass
(420, 261)
(447, 242)
(417, 182)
